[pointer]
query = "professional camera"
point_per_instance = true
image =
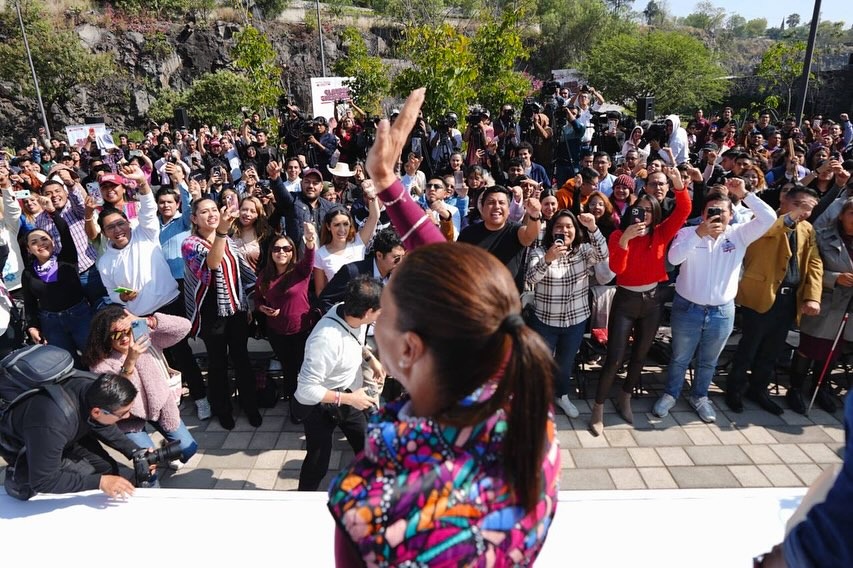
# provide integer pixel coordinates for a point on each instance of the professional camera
(475, 115)
(657, 132)
(143, 459)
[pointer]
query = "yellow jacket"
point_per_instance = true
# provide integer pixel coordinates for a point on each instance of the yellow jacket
(766, 262)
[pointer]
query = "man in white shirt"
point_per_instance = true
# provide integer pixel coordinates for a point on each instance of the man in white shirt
(703, 310)
(293, 168)
(324, 398)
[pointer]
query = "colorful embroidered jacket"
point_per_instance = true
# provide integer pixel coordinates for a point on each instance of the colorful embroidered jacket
(426, 494)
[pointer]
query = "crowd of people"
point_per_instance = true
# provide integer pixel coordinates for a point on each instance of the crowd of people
(590, 223)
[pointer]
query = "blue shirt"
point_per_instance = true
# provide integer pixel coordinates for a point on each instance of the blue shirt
(173, 233)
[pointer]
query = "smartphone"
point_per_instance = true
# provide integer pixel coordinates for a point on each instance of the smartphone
(22, 194)
(416, 147)
(636, 214)
(135, 153)
(93, 188)
(139, 327)
(229, 201)
(458, 180)
(122, 290)
(559, 240)
(714, 212)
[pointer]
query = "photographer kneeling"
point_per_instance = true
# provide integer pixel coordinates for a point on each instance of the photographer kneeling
(61, 450)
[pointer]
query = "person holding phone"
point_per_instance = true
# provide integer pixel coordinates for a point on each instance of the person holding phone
(124, 344)
(559, 273)
(637, 252)
(710, 256)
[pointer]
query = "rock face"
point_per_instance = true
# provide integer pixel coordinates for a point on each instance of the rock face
(174, 58)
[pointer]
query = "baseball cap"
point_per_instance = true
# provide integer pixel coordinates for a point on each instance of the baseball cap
(112, 179)
(309, 171)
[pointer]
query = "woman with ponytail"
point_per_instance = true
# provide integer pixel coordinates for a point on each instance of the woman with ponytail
(464, 470)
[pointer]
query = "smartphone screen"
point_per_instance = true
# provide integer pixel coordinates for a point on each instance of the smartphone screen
(458, 180)
(139, 328)
(416, 146)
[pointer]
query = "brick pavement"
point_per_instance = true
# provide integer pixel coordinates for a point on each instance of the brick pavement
(752, 449)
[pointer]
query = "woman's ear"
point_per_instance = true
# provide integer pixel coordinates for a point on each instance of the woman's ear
(413, 349)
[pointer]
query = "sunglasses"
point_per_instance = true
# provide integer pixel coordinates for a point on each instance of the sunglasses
(121, 416)
(117, 335)
(435, 185)
(283, 248)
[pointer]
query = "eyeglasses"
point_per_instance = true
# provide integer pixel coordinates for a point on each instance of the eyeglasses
(434, 186)
(117, 335)
(283, 248)
(121, 416)
(397, 258)
(117, 225)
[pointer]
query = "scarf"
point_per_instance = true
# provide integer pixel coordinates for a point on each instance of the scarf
(49, 271)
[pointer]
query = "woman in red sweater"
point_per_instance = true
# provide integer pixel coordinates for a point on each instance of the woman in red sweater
(283, 289)
(637, 253)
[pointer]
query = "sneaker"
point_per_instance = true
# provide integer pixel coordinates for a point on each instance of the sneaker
(203, 409)
(663, 405)
(566, 406)
(175, 465)
(702, 406)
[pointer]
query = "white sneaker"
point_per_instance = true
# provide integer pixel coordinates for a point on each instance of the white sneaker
(203, 409)
(702, 406)
(566, 406)
(176, 464)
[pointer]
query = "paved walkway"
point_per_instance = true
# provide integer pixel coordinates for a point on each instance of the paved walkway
(752, 449)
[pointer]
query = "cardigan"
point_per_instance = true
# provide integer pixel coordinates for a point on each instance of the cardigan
(154, 401)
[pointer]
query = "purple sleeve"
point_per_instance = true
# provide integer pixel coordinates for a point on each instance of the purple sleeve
(408, 218)
(195, 256)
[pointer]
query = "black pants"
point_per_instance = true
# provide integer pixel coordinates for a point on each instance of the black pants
(763, 340)
(631, 311)
(180, 355)
(224, 336)
(290, 351)
(320, 424)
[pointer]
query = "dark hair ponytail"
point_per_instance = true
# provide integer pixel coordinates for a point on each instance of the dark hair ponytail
(529, 379)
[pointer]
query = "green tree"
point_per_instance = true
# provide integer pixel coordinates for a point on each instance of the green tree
(781, 67)
(255, 56)
(707, 17)
(443, 62)
(271, 8)
(214, 98)
(736, 25)
(793, 20)
(497, 81)
(415, 12)
(655, 13)
(370, 81)
(569, 29)
(756, 27)
(673, 66)
(60, 60)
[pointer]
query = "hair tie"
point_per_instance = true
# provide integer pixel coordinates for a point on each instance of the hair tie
(512, 323)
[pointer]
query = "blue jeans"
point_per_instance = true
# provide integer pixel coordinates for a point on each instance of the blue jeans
(93, 287)
(564, 343)
(701, 331)
(186, 442)
(68, 329)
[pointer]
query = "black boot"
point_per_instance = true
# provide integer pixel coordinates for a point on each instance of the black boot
(799, 371)
(824, 399)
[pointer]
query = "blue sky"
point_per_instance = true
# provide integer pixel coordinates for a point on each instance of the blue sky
(774, 10)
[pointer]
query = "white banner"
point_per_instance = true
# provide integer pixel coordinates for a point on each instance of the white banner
(324, 92)
(78, 133)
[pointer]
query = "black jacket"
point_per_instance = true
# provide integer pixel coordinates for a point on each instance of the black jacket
(295, 211)
(41, 425)
(336, 289)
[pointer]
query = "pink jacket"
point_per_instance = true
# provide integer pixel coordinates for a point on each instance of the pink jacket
(155, 402)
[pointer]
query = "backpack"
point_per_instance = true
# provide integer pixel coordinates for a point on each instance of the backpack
(28, 371)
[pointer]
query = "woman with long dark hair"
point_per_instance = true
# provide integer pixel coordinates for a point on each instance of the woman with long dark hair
(283, 299)
(637, 256)
(112, 348)
(559, 274)
(476, 427)
(217, 285)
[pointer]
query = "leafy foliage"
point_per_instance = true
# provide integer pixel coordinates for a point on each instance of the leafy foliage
(443, 62)
(370, 76)
(215, 98)
(163, 7)
(60, 60)
(781, 67)
(271, 8)
(673, 66)
(255, 56)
